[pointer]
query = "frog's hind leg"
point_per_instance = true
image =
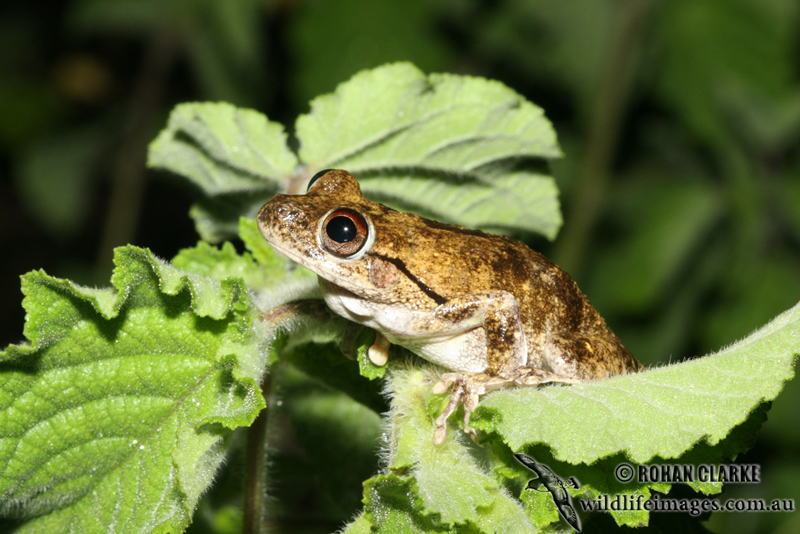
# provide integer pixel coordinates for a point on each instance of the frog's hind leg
(468, 387)
(585, 356)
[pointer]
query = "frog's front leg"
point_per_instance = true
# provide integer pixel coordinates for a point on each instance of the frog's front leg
(480, 335)
(450, 331)
(502, 356)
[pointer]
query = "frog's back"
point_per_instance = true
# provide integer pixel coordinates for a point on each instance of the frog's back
(549, 301)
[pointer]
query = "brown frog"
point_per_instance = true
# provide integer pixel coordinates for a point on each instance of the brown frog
(490, 309)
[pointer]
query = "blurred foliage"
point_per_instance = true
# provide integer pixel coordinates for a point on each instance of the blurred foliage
(679, 120)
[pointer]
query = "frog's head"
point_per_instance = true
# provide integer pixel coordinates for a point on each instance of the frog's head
(329, 230)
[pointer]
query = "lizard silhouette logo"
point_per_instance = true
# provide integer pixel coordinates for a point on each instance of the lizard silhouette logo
(557, 487)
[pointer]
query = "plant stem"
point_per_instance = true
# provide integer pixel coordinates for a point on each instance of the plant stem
(256, 464)
(594, 170)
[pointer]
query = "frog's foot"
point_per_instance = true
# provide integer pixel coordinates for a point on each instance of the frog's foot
(468, 387)
(379, 351)
(533, 376)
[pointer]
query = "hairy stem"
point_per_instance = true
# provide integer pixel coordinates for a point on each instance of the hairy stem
(256, 465)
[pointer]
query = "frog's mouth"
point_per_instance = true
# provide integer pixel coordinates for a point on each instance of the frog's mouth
(307, 259)
(311, 258)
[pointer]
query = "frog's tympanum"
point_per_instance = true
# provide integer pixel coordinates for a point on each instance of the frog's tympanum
(486, 307)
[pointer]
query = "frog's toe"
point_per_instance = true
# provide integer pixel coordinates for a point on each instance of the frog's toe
(455, 399)
(472, 432)
(439, 434)
(441, 423)
(533, 376)
(447, 380)
(467, 414)
(456, 396)
(378, 353)
(467, 390)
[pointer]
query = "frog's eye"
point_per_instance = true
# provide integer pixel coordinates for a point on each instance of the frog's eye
(316, 177)
(344, 232)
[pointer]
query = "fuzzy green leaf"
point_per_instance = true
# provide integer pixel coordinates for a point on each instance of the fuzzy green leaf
(220, 263)
(431, 487)
(117, 414)
(396, 507)
(268, 260)
(440, 143)
(360, 525)
(235, 156)
(437, 123)
(273, 279)
(701, 411)
(223, 149)
(516, 200)
(662, 412)
(459, 149)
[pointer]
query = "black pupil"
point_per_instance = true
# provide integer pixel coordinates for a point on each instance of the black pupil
(341, 229)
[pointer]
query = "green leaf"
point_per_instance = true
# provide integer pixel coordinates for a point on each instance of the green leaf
(397, 507)
(329, 44)
(220, 263)
(235, 156)
(518, 200)
(360, 525)
(659, 413)
(223, 149)
(429, 487)
(117, 414)
(450, 146)
(458, 149)
(439, 123)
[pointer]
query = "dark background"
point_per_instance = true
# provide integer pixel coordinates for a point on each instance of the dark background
(679, 122)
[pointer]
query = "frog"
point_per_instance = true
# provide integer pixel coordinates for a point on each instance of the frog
(489, 310)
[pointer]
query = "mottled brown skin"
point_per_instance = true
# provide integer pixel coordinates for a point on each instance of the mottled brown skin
(512, 316)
